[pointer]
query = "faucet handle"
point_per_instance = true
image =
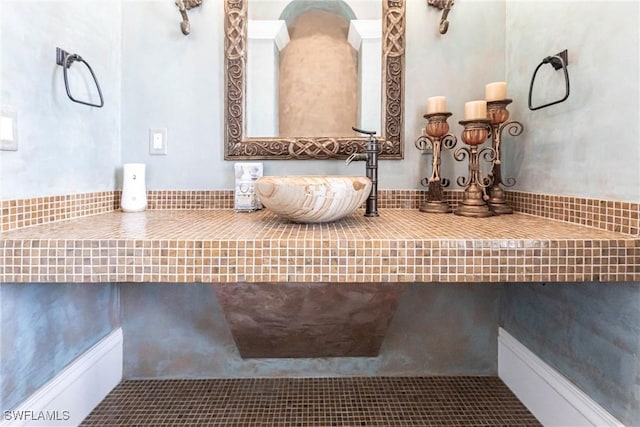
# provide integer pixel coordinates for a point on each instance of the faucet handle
(372, 144)
(366, 132)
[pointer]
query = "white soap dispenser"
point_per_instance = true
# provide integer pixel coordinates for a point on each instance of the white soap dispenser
(134, 191)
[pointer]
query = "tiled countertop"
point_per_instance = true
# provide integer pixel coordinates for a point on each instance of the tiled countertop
(399, 246)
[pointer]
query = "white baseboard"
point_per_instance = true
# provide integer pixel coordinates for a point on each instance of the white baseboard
(550, 397)
(72, 394)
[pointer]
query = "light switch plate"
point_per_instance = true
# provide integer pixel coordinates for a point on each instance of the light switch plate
(158, 141)
(8, 130)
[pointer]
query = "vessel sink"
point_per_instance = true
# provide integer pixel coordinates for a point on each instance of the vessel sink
(311, 198)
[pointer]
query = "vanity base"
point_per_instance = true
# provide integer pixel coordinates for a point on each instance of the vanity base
(278, 320)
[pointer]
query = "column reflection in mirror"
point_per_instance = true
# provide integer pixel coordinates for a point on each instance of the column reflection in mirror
(365, 35)
(266, 39)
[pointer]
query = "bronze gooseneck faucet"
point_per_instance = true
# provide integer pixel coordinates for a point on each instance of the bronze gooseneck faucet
(370, 155)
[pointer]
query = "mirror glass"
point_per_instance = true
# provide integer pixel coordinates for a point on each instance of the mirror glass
(313, 67)
(301, 73)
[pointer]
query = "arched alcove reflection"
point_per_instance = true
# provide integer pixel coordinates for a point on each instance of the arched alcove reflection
(318, 78)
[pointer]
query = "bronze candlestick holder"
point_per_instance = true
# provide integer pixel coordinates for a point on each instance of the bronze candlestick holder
(498, 115)
(436, 137)
(475, 133)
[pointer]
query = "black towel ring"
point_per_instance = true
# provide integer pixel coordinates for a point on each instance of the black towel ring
(66, 60)
(557, 61)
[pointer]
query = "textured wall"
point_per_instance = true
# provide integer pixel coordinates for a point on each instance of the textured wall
(589, 332)
(64, 147)
(177, 82)
(588, 145)
(174, 81)
(179, 331)
(44, 327)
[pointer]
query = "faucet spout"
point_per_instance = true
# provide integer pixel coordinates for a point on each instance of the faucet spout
(356, 157)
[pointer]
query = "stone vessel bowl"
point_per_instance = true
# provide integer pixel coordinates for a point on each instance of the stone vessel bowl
(311, 199)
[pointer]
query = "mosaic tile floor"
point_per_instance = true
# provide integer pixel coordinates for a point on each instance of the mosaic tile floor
(377, 401)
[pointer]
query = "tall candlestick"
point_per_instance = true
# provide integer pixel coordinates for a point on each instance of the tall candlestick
(436, 104)
(498, 115)
(475, 110)
(496, 91)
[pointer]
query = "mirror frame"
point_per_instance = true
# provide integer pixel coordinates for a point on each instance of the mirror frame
(237, 146)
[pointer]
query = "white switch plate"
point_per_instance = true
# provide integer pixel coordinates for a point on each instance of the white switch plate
(8, 130)
(158, 141)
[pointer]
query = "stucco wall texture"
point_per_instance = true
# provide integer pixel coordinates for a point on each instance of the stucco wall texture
(44, 327)
(589, 332)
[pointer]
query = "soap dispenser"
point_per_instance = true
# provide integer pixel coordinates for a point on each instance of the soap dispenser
(134, 192)
(245, 194)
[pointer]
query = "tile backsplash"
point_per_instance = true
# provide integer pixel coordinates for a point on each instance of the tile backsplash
(623, 217)
(20, 213)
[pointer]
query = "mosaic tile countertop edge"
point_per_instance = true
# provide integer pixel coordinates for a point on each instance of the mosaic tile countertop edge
(222, 246)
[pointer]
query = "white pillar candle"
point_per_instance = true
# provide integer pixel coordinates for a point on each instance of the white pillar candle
(495, 91)
(436, 104)
(474, 110)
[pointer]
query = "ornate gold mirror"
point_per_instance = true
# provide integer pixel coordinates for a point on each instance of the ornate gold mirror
(240, 146)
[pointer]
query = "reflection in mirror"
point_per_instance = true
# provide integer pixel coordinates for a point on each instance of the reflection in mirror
(316, 70)
(301, 73)
(318, 77)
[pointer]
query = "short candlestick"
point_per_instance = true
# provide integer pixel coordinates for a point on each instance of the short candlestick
(475, 133)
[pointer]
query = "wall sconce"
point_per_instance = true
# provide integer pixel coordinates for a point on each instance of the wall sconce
(445, 6)
(183, 6)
